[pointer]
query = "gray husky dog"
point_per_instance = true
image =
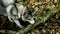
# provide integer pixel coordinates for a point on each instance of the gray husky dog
(16, 11)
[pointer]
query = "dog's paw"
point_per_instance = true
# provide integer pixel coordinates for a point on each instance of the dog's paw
(10, 19)
(21, 26)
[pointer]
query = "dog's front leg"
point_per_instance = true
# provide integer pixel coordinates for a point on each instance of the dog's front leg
(18, 23)
(8, 9)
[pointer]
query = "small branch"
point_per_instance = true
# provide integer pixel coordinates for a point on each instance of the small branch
(40, 20)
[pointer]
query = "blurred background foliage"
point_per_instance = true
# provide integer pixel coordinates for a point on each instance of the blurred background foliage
(38, 7)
